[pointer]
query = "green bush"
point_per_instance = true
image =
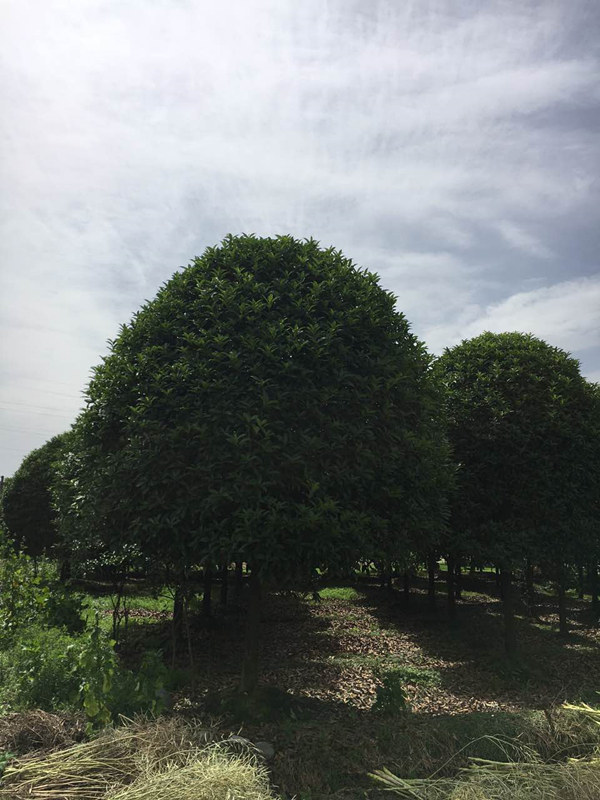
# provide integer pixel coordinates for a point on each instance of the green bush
(33, 597)
(39, 670)
(107, 690)
(48, 668)
(64, 609)
(22, 594)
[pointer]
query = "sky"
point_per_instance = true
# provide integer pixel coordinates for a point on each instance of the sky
(451, 146)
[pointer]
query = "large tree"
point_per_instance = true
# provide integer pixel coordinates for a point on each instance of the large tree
(518, 410)
(27, 502)
(269, 405)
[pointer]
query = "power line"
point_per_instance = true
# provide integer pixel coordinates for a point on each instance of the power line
(13, 449)
(60, 394)
(44, 380)
(28, 405)
(39, 413)
(28, 430)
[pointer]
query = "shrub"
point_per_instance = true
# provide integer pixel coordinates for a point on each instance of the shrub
(39, 670)
(64, 609)
(49, 669)
(22, 593)
(29, 597)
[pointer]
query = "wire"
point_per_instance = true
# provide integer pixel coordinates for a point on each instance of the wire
(28, 430)
(39, 413)
(28, 405)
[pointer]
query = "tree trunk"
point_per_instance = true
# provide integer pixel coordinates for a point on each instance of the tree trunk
(529, 587)
(580, 582)
(65, 570)
(508, 609)
(450, 591)
(250, 664)
(593, 580)
(385, 576)
(188, 636)
(177, 623)
(238, 582)
(498, 581)
(207, 593)
(431, 568)
(458, 581)
(224, 585)
(406, 588)
(563, 626)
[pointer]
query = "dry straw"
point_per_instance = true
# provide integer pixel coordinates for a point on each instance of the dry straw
(165, 759)
(523, 776)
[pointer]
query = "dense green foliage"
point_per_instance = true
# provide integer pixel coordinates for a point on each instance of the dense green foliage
(27, 501)
(32, 595)
(270, 405)
(518, 419)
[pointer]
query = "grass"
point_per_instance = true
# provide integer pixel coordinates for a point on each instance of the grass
(417, 676)
(144, 607)
(339, 593)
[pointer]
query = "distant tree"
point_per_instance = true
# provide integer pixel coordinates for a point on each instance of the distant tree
(3, 525)
(268, 406)
(588, 477)
(517, 411)
(27, 502)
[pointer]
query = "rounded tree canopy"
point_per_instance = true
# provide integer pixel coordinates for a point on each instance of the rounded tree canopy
(267, 404)
(518, 411)
(27, 501)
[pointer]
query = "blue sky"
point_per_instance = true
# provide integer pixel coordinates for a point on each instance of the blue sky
(451, 146)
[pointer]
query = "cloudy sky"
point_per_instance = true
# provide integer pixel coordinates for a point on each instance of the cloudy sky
(452, 146)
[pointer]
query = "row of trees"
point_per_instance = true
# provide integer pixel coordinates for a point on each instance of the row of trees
(270, 406)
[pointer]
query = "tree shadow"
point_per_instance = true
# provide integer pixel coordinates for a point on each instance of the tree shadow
(469, 653)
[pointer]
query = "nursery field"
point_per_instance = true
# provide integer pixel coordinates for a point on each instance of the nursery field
(267, 424)
(357, 681)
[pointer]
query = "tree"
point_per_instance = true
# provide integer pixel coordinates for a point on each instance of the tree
(27, 502)
(588, 477)
(268, 406)
(517, 411)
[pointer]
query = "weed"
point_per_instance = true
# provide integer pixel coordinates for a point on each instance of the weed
(417, 676)
(5, 758)
(391, 695)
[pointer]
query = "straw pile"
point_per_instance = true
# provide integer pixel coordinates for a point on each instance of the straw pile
(162, 760)
(523, 776)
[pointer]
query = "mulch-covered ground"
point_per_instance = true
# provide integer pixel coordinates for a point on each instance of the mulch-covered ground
(337, 650)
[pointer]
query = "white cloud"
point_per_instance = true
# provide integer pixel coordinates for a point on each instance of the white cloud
(450, 147)
(522, 240)
(567, 315)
